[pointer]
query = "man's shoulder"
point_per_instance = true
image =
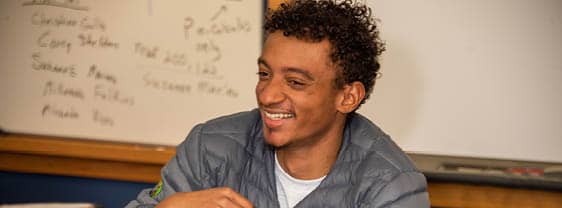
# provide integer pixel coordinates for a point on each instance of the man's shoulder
(240, 122)
(376, 147)
(225, 134)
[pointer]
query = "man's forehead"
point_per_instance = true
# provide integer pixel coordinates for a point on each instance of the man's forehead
(281, 46)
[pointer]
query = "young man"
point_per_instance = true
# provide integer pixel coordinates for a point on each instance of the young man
(304, 146)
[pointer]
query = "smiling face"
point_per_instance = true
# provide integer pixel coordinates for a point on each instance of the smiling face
(296, 92)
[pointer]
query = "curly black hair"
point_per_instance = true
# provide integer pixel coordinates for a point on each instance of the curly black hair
(349, 27)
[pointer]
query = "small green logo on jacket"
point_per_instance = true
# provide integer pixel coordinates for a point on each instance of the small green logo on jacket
(156, 190)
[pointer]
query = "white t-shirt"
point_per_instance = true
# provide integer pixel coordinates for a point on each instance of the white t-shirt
(291, 191)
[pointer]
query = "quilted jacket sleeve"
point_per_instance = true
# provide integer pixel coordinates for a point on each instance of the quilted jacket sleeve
(409, 189)
(184, 172)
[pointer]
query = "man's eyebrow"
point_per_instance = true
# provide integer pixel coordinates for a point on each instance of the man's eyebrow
(300, 71)
(263, 62)
(303, 72)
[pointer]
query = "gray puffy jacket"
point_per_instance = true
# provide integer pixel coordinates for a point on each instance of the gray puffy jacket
(371, 170)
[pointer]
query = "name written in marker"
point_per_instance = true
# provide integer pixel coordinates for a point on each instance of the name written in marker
(53, 88)
(50, 110)
(97, 74)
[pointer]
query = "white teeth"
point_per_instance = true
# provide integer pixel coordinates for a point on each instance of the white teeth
(278, 116)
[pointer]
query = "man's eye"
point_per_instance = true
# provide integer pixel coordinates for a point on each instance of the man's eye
(262, 74)
(295, 82)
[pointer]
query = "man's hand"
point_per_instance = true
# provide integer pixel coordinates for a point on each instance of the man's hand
(209, 198)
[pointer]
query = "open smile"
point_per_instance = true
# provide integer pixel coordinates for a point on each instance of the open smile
(276, 120)
(278, 116)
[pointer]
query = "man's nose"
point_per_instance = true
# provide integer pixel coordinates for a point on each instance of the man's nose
(271, 93)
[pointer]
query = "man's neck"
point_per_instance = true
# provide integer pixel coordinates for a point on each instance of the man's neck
(311, 161)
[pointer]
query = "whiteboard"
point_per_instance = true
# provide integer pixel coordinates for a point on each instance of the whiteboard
(471, 78)
(128, 71)
(464, 78)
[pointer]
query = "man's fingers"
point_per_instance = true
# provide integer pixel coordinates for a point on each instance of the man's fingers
(226, 202)
(215, 197)
(236, 198)
(243, 202)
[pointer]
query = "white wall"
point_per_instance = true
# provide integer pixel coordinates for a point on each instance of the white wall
(471, 78)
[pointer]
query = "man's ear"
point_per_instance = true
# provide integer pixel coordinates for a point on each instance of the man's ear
(352, 96)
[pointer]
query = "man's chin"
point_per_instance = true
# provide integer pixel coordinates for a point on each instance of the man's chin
(275, 141)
